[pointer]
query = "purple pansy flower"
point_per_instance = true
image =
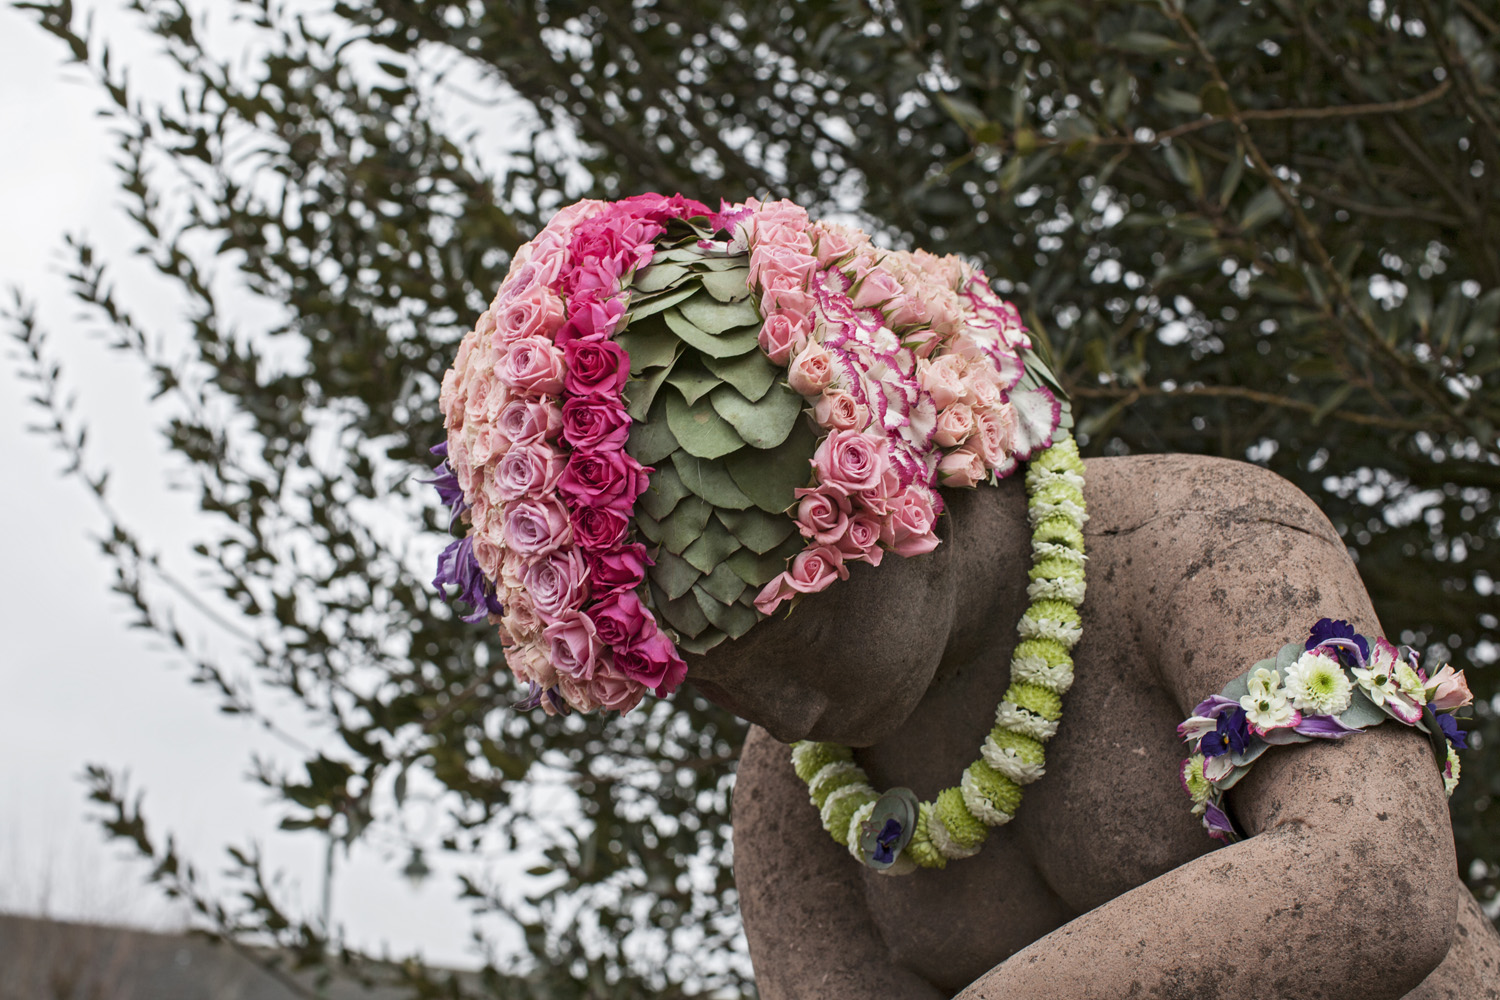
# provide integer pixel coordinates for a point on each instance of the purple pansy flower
(1456, 736)
(1328, 628)
(886, 841)
(1231, 735)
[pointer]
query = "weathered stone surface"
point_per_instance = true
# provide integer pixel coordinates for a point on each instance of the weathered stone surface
(1105, 885)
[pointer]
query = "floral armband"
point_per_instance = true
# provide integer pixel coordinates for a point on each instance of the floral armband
(1333, 685)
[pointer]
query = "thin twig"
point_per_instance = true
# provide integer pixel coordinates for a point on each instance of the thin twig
(1133, 393)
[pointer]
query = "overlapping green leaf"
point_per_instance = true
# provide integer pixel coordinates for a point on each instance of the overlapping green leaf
(764, 423)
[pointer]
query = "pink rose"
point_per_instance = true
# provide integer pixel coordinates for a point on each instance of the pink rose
(487, 442)
(781, 267)
(579, 693)
(943, 308)
(963, 467)
(574, 646)
(997, 434)
(620, 570)
(851, 461)
(488, 555)
(980, 390)
(1447, 690)
(533, 366)
(536, 313)
(621, 619)
(830, 245)
(873, 286)
(594, 423)
(603, 479)
(524, 421)
(596, 368)
(794, 305)
(477, 397)
(908, 530)
(812, 370)
(529, 662)
(861, 541)
(780, 337)
(813, 569)
(557, 584)
(591, 320)
(782, 212)
(528, 469)
(837, 410)
(653, 662)
(599, 528)
(614, 691)
(904, 311)
(943, 379)
(592, 281)
(954, 425)
(520, 620)
(536, 527)
(822, 515)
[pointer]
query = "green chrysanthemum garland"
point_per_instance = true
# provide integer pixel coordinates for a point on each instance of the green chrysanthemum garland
(893, 832)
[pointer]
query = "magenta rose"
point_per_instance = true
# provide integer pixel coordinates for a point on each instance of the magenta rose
(619, 570)
(621, 619)
(532, 365)
(527, 469)
(526, 420)
(536, 527)
(596, 368)
(535, 313)
(822, 515)
(574, 645)
(851, 461)
(603, 479)
(592, 281)
(599, 528)
(557, 584)
(908, 529)
(595, 423)
(592, 320)
(653, 662)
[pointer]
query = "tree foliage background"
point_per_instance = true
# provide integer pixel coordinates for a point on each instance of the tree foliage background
(1261, 229)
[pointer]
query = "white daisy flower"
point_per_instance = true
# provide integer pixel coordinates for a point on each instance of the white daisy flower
(1266, 707)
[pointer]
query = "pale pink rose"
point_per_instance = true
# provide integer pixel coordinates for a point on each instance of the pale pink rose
(794, 305)
(781, 337)
(520, 618)
(614, 691)
(1447, 690)
(837, 410)
(822, 515)
(530, 662)
(831, 243)
(536, 527)
(944, 309)
(811, 371)
(474, 402)
(527, 469)
(997, 434)
(873, 286)
(781, 267)
(851, 461)
(574, 646)
(782, 212)
(578, 693)
(451, 400)
(524, 421)
(812, 570)
(964, 467)
(565, 219)
(532, 365)
(537, 312)
(954, 425)
(908, 530)
(861, 540)
(557, 584)
(980, 389)
(943, 379)
(463, 469)
(512, 566)
(485, 442)
(488, 555)
(904, 311)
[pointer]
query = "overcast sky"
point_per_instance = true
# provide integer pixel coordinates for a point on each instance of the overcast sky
(79, 686)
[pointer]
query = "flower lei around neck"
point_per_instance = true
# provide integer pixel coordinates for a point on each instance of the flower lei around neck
(672, 421)
(1333, 685)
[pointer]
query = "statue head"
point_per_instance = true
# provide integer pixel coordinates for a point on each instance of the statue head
(683, 436)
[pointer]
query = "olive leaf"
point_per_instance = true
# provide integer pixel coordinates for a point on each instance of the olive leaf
(685, 525)
(649, 305)
(694, 380)
(659, 276)
(735, 619)
(649, 345)
(723, 584)
(682, 613)
(641, 393)
(673, 575)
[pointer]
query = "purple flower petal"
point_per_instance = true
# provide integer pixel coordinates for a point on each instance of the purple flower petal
(1328, 629)
(1327, 727)
(1219, 825)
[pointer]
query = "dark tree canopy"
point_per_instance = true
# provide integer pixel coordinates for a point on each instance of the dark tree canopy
(1257, 229)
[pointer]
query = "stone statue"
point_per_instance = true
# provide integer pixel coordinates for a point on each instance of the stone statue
(1105, 884)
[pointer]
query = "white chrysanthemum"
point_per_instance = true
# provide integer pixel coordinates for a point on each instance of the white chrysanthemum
(1046, 628)
(1015, 718)
(839, 794)
(1036, 670)
(1038, 478)
(829, 772)
(1042, 510)
(1071, 591)
(1006, 761)
(983, 809)
(1056, 550)
(938, 834)
(856, 821)
(1317, 684)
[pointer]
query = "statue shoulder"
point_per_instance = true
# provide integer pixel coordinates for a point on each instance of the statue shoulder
(1196, 496)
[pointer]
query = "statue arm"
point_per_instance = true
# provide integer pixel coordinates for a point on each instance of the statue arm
(1344, 888)
(804, 908)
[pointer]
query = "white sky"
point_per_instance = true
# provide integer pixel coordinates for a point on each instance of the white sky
(78, 685)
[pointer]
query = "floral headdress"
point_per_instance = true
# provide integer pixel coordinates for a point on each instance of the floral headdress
(671, 421)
